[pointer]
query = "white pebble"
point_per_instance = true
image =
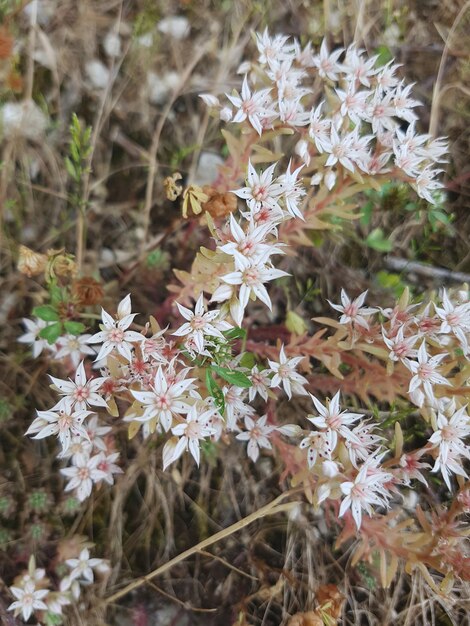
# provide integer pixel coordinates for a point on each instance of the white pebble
(97, 73)
(23, 119)
(176, 26)
(112, 44)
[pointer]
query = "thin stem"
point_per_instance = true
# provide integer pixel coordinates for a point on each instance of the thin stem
(269, 509)
(80, 236)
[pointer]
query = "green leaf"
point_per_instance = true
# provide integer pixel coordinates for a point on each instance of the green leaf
(235, 333)
(384, 54)
(56, 294)
(234, 378)
(248, 360)
(51, 333)
(215, 391)
(46, 313)
(377, 240)
(74, 328)
(366, 213)
(70, 167)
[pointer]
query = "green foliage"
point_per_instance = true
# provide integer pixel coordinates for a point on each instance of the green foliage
(51, 313)
(77, 162)
(392, 281)
(232, 377)
(215, 391)
(6, 410)
(46, 312)
(51, 333)
(157, 259)
(377, 240)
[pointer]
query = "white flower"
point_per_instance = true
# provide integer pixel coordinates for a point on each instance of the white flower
(251, 279)
(273, 49)
(334, 421)
(195, 427)
(327, 64)
(341, 149)
(366, 489)
(114, 334)
(360, 442)
(249, 245)
(357, 68)
(63, 423)
(261, 191)
(450, 434)
(353, 102)
(164, 401)
(33, 328)
(82, 475)
(292, 191)
(254, 106)
(94, 432)
(28, 600)
(56, 600)
(79, 394)
(108, 466)
(74, 347)
(83, 566)
(400, 348)
(199, 324)
(260, 383)
(451, 464)
(353, 311)
(210, 100)
(257, 434)
(285, 374)
(455, 319)
(403, 103)
(425, 374)
(319, 130)
(318, 445)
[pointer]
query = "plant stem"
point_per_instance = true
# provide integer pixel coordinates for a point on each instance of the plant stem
(80, 236)
(269, 509)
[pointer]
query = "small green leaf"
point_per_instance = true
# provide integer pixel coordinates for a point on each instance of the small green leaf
(366, 213)
(235, 333)
(46, 313)
(377, 240)
(70, 167)
(56, 294)
(74, 328)
(384, 54)
(248, 360)
(215, 391)
(74, 152)
(234, 378)
(51, 333)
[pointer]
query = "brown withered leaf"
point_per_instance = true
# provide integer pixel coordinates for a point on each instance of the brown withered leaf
(331, 601)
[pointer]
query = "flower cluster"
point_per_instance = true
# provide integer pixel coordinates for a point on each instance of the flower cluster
(358, 126)
(197, 382)
(34, 594)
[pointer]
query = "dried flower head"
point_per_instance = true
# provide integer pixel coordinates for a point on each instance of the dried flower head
(193, 198)
(219, 204)
(172, 189)
(87, 291)
(31, 263)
